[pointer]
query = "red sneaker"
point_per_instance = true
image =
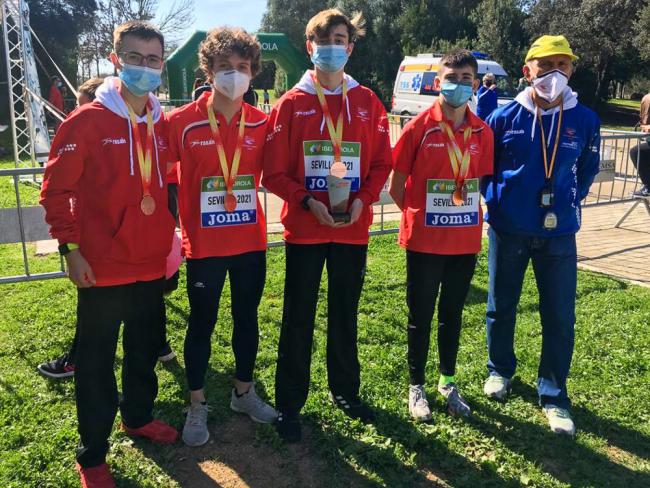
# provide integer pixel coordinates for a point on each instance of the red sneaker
(96, 477)
(156, 431)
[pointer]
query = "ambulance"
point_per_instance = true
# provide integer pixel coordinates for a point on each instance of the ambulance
(413, 91)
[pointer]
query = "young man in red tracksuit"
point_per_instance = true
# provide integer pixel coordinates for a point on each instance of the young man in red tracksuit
(439, 160)
(218, 140)
(105, 198)
(304, 135)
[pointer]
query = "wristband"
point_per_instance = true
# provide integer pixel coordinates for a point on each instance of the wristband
(66, 248)
(305, 201)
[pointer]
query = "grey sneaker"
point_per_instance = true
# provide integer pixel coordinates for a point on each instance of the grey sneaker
(195, 432)
(418, 404)
(253, 406)
(456, 404)
(497, 387)
(559, 419)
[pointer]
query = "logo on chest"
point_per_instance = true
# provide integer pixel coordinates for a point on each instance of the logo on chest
(199, 143)
(113, 141)
(249, 143)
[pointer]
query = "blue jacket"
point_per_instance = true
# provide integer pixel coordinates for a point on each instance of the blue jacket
(487, 102)
(512, 193)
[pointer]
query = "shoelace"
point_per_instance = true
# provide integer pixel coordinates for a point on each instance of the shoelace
(420, 398)
(560, 412)
(198, 415)
(455, 400)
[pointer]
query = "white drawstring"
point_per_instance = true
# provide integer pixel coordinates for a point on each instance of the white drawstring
(155, 144)
(347, 104)
(130, 143)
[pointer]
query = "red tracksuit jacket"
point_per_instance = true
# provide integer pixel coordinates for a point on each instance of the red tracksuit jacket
(298, 153)
(92, 191)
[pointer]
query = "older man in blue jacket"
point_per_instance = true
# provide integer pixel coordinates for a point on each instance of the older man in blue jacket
(547, 149)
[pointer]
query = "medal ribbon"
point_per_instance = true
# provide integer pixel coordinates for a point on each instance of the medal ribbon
(336, 135)
(144, 157)
(548, 170)
(229, 174)
(459, 159)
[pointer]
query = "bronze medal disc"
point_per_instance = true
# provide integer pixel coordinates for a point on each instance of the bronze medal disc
(148, 205)
(465, 192)
(230, 202)
(338, 169)
(457, 197)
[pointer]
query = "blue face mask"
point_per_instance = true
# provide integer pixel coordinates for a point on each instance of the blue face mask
(330, 58)
(456, 94)
(140, 80)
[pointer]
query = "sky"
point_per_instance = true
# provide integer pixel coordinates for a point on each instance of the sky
(212, 13)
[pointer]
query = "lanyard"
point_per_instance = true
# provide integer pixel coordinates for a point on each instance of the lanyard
(459, 159)
(336, 135)
(229, 174)
(144, 158)
(548, 170)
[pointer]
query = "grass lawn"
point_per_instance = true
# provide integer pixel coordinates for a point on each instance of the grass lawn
(502, 445)
(621, 102)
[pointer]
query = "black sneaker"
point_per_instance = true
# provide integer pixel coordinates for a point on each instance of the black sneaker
(353, 407)
(288, 427)
(57, 368)
(642, 192)
(166, 353)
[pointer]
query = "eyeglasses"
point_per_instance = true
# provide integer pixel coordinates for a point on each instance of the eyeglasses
(135, 58)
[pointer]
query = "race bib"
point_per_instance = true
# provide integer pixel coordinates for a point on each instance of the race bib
(441, 212)
(213, 193)
(319, 156)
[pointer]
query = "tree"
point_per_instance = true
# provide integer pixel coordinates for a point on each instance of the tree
(58, 24)
(500, 32)
(97, 43)
(602, 34)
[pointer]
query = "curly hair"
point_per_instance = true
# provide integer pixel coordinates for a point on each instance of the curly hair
(222, 42)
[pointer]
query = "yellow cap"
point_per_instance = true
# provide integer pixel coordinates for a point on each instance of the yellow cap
(550, 46)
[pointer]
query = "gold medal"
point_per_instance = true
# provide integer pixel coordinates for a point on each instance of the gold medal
(148, 205)
(230, 203)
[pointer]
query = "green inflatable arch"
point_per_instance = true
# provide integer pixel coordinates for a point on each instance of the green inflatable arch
(182, 63)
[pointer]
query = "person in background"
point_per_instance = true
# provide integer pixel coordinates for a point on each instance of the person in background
(109, 158)
(86, 91)
(267, 97)
(328, 124)
(546, 155)
(640, 154)
(56, 97)
(487, 96)
(251, 97)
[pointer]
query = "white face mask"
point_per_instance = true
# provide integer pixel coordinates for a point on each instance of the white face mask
(231, 83)
(550, 85)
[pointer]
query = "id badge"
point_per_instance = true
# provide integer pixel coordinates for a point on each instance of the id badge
(546, 196)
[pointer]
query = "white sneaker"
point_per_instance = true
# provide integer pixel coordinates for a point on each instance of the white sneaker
(497, 387)
(253, 406)
(456, 404)
(418, 404)
(559, 419)
(195, 431)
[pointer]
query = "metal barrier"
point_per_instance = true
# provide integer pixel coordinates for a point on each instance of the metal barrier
(616, 182)
(24, 224)
(618, 178)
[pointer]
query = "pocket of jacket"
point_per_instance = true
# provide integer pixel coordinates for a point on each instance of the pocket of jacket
(143, 238)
